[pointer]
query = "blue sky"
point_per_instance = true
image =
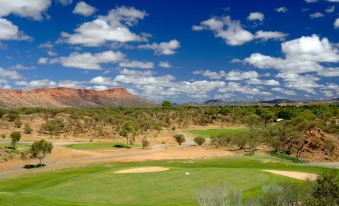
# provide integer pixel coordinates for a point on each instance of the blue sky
(179, 50)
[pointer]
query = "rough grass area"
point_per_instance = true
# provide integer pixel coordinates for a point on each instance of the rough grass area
(214, 132)
(99, 185)
(98, 145)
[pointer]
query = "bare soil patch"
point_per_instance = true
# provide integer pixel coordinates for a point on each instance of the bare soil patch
(143, 170)
(296, 175)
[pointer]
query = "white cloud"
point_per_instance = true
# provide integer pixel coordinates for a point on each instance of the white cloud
(210, 74)
(316, 15)
(43, 60)
(330, 9)
(46, 45)
(82, 8)
(281, 9)
(336, 23)
(267, 35)
(164, 48)
(284, 91)
(256, 16)
(305, 83)
(234, 34)
(164, 64)
(88, 60)
(9, 75)
(302, 55)
(10, 31)
(65, 2)
(33, 9)
(137, 64)
(237, 75)
(111, 28)
(232, 87)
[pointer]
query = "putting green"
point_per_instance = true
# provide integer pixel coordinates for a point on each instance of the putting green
(214, 132)
(99, 185)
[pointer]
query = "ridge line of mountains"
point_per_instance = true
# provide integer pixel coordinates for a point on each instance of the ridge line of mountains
(63, 97)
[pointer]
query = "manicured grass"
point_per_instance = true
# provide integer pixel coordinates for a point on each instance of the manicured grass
(214, 132)
(99, 185)
(98, 145)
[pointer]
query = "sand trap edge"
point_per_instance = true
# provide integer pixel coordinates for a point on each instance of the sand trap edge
(142, 170)
(295, 175)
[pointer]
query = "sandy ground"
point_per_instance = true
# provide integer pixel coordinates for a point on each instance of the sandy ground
(296, 175)
(143, 170)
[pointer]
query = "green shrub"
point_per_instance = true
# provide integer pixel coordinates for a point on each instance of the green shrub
(199, 140)
(179, 138)
(15, 136)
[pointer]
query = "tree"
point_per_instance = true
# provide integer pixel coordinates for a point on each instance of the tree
(326, 189)
(266, 116)
(53, 127)
(40, 149)
(128, 131)
(166, 104)
(179, 138)
(145, 143)
(15, 136)
(199, 140)
(240, 140)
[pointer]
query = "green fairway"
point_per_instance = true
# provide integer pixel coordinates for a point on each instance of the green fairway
(214, 132)
(97, 145)
(99, 185)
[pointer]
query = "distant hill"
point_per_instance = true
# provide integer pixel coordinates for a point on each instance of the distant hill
(276, 101)
(69, 97)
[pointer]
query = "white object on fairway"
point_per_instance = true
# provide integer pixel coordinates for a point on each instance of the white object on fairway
(187, 173)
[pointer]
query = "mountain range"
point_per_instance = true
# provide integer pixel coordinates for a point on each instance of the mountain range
(69, 97)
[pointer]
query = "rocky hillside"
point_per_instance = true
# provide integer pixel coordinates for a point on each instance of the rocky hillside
(69, 97)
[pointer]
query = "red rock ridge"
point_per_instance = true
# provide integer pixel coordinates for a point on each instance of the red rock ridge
(70, 97)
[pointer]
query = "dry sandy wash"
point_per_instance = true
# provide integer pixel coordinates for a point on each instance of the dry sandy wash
(296, 175)
(143, 170)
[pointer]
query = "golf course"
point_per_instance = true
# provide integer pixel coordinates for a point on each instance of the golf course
(100, 184)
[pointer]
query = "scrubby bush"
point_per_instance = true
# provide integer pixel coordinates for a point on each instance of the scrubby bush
(199, 140)
(53, 127)
(240, 140)
(28, 129)
(17, 122)
(179, 138)
(40, 149)
(15, 137)
(145, 143)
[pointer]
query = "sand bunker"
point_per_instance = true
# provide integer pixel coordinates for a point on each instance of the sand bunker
(143, 170)
(296, 175)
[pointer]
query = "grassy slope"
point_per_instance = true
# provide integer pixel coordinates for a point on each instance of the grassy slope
(98, 185)
(215, 132)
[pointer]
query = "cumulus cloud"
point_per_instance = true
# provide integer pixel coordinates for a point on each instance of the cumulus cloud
(65, 2)
(89, 61)
(267, 35)
(317, 15)
(307, 83)
(84, 9)
(330, 9)
(256, 16)
(164, 64)
(281, 9)
(284, 91)
(137, 64)
(114, 27)
(210, 74)
(302, 55)
(336, 23)
(232, 32)
(9, 75)
(163, 48)
(32, 9)
(237, 75)
(10, 31)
